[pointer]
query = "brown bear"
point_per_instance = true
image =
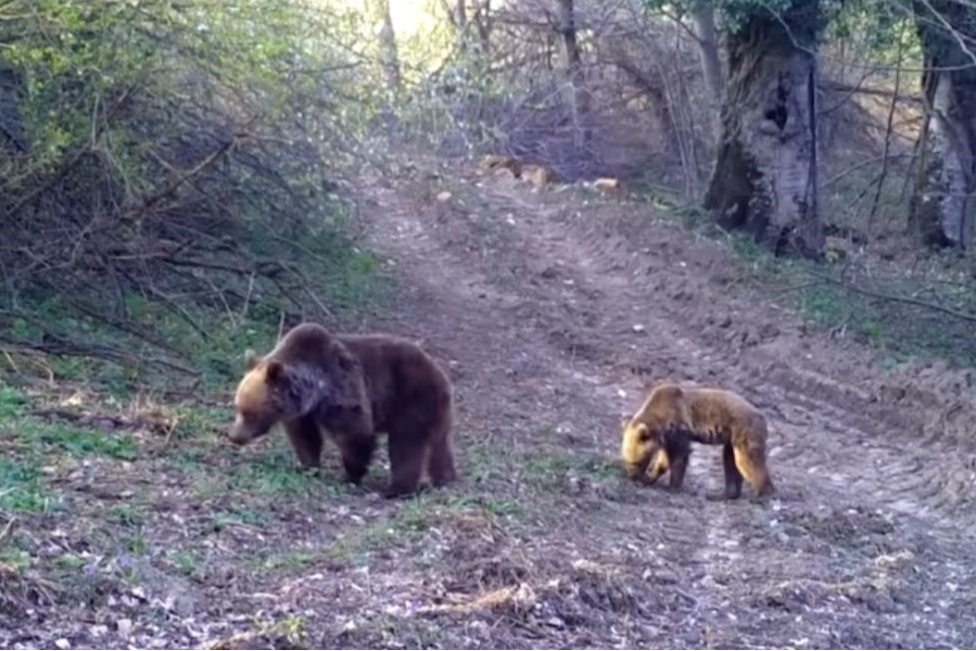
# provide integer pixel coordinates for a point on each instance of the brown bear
(658, 437)
(352, 387)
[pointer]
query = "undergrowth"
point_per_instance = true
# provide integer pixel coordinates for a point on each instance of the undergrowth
(927, 312)
(156, 347)
(171, 190)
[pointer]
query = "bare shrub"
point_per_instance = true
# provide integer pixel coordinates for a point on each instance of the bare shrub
(187, 154)
(648, 108)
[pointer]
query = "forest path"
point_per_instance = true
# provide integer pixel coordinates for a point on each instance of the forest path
(534, 297)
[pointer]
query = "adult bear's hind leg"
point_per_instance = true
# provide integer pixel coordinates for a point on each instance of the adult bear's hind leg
(440, 461)
(408, 454)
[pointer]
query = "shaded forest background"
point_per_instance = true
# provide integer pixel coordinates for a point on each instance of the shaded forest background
(177, 175)
(741, 192)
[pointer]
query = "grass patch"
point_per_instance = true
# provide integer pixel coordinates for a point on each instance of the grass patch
(874, 309)
(186, 562)
(23, 488)
(494, 506)
(157, 343)
(127, 515)
(275, 473)
(484, 462)
(75, 441)
(32, 444)
(241, 515)
(550, 471)
(40, 439)
(192, 420)
(408, 526)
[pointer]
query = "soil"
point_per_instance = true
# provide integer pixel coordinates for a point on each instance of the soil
(553, 310)
(560, 308)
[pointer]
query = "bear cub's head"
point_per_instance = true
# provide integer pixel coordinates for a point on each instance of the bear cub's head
(640, 445)
(645, 434)
(269, 392)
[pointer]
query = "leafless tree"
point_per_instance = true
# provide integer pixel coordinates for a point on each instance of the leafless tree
(764, 174)
(943, 204)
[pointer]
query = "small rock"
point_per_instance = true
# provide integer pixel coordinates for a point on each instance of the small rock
(638, 327)
(124, 626)
(443, 196)
(62, 643)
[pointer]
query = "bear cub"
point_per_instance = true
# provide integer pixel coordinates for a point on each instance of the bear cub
(351, 388)
(658, 437)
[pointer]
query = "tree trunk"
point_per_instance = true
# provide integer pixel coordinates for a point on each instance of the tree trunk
(482, 19)
(764, 176)
(479, 20)
(460, 18)
(704, 18)
(943, 204)
(13, 138)
(388, 46)
(575, 99)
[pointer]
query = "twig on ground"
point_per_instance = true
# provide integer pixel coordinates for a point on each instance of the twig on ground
(796, 288)
(897, 299)
(169, 431)
(6, 529)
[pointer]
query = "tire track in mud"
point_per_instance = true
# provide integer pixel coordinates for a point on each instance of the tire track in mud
(809, 413)
(924, 480)
(888, 469)
(571, 295)
(588, 401)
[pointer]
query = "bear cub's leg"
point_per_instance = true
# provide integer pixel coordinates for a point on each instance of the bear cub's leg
(679, 454)
(733, 478)
(751, 462)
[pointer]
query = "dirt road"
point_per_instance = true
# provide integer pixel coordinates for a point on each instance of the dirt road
(552, 311)
(557, 310)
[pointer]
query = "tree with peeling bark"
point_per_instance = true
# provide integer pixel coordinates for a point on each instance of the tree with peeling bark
(943, 202)
(764, 179)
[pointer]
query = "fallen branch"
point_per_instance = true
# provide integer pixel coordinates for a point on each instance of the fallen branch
(971, 318)
(66, 348)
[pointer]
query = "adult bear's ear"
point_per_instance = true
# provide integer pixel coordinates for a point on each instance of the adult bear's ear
(275, 372)
(251, 359)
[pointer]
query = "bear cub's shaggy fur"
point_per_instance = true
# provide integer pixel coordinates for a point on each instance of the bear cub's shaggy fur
(658, 437)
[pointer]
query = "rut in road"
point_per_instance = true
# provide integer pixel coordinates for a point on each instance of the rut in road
(536, 305)
(810, 413)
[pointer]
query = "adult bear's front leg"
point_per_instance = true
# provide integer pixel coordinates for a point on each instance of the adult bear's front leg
(352, 430)
(306, 439)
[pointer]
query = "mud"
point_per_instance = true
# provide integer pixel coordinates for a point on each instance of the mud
(557, 308)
